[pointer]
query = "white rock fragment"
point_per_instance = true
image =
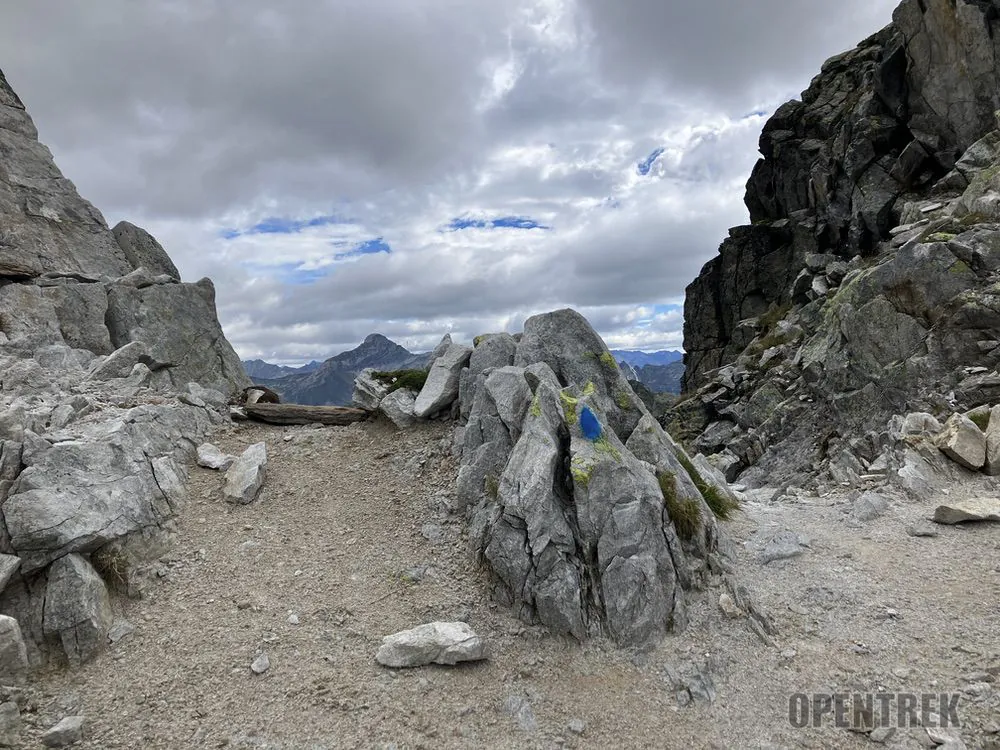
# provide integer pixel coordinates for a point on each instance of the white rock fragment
(210, 457)
(433, 643)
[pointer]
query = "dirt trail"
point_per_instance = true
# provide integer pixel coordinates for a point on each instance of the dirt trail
(340, 543)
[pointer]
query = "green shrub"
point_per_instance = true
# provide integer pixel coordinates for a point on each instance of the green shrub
(774, 313)
(686, 513)
(721, 505)
(413, 379)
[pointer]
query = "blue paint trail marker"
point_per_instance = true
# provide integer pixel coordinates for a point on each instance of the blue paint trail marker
(589, 425)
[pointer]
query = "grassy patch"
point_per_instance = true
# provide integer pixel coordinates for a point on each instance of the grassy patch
(720, 504)
(413, 379)
(608, 361)
(774, 313)
(981, 419)
(622, 399)
(686, 514)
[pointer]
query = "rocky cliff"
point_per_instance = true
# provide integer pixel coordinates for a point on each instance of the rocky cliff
(111, 370)
(865, 286)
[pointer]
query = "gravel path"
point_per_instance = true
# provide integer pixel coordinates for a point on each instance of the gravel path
(353, 540)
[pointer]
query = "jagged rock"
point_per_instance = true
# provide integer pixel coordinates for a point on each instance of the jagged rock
(545, 474)
(440, 349)
(441, 388)
(245, 477)
(79, 495)
(178, 324)
(13, 654)
(566, 342)
(491, 351)
(143, 251)
(368, 390)
(963, 442)
(398, 407)
(921, 423)
(119, 364)
(68, 731)
(8, 567)
(77, 609)
(973, 509)
(210, 457)
(46, 224)
(435, 643)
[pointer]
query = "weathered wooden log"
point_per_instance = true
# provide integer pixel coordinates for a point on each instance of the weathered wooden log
(285, 414)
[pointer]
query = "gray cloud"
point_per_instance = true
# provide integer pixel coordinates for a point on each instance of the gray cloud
(196, 116)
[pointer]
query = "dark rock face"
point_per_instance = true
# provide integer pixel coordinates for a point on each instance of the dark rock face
(865, 287)
(878, 124)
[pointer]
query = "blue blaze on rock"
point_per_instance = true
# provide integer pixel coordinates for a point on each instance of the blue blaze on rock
(589, 425)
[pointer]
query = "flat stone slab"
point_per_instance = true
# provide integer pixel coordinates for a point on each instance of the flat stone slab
(973, 509)
(245, 477)
(434, 643)
(210, 457)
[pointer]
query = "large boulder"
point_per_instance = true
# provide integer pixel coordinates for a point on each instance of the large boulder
(574, 527)
(179, 325)
(566, 342)
(143, 251)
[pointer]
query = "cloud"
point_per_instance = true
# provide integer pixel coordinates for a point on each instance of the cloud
(421, 166)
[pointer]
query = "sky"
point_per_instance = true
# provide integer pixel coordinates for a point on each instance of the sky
(421, 167)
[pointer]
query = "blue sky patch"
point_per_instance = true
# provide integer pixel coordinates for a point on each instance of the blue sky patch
(289, 273)
(369, 247)
(500, 222)
(280, 225)
(646, 164)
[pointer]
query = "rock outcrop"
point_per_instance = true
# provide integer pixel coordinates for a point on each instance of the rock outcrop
(864, 288)
(111, 372)
(589, 518)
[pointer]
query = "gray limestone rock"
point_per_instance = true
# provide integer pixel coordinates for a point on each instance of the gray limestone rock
(441, 388)
(143, 251)
(434, 643)
(13, 654)
(68, 731)
(368, 391)
(77, 609)
(210, 457)
(971, 510)
(398, 407)
(245, 477)
(963, 442)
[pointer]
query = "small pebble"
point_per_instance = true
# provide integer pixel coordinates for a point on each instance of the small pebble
(261, 664)
(577, 726)
(293, 619)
